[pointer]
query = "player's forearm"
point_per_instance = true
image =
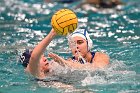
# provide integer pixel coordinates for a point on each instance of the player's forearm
(37, 53)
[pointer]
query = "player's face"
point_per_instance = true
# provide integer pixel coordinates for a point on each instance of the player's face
(44, 63)
(81, 47)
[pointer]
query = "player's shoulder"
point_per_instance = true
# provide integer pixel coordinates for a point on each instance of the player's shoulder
(102, 55)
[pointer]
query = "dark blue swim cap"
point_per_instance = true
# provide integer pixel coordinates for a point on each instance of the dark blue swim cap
(25, 57)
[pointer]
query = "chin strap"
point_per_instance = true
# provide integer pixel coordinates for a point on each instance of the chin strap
(82, 59)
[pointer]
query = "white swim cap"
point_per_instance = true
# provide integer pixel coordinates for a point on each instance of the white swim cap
(84, 34)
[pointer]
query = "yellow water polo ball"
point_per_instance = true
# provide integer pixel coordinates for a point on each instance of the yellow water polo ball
(64, 21)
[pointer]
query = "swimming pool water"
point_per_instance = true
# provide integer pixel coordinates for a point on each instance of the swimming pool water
(24, 23)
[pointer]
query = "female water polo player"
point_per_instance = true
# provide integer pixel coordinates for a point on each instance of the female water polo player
(38, 66)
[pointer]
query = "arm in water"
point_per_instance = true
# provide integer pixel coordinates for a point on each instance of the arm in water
(70, 63)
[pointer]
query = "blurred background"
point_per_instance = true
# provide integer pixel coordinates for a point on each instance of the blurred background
(113, 27)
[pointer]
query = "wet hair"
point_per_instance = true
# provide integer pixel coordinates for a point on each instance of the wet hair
(25, 57)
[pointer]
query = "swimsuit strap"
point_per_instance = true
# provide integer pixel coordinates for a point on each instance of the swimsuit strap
(93, 54)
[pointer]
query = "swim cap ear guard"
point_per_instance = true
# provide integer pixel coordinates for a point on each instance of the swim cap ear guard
(25, 57)
(84, 34)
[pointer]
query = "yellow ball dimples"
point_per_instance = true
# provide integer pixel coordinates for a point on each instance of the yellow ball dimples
(64, 21)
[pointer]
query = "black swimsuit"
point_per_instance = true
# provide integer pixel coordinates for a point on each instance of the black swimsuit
(92, 53)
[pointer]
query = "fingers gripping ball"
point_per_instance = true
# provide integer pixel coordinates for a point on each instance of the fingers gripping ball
(64, 21)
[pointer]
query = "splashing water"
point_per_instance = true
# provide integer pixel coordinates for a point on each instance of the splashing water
(115, 33)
